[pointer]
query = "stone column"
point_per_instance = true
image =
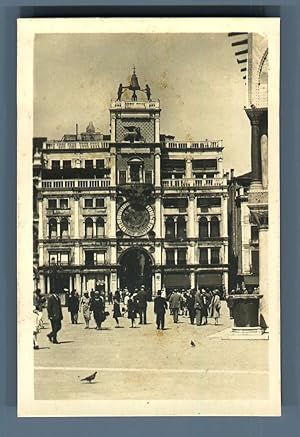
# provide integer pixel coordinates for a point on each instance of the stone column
(42, 284)
(76, 254)
(259, 215)
(83, 282)
(40, 212)
(157, 128)
(157, 169)
(225, 282)
(113, 166)
(157, 281)
(94, 228)
(224, 216)
(78, 284)
(191, 216)
(263, 275)
(157, 226)
(41, 254)
(106, 284)
(193, 279)
(76, 216)
(71, 284)
(48, 284)
(113, 217)
(188, 169)
(254, 115)
(113, 281)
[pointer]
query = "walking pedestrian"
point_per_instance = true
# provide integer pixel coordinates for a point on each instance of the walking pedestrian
(198, 307)
(160, 306)
(132, 309)
(110, 297)
(73, 307)
(36, 328)
(85, 307)
(98, 309)
(55, 316)
(142, 305)
(175, 302)
(39, 302)
(190, 304)
(216, 306)
(204, 312)
(116, 312)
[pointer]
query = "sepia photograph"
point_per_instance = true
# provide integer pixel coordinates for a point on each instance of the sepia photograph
(148, 217)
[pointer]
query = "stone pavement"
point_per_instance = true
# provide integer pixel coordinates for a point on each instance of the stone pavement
(145, 363)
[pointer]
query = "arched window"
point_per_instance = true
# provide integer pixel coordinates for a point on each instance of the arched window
(64, 228)
(214, 227)
(88, 228)
(100, 227)
(170, 228)
(181, 227)
(203, 227)
(136, 169)
(52, 228)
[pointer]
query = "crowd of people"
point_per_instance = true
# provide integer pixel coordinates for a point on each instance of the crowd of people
(197, 305)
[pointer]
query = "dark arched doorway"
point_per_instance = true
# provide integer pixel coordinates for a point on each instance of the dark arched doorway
(135, 269)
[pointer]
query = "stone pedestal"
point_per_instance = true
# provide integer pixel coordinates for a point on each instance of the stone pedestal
(245, 311)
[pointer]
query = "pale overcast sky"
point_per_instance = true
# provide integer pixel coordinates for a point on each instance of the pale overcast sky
(195, 76)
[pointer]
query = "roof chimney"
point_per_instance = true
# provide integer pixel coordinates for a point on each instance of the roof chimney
(76, 131)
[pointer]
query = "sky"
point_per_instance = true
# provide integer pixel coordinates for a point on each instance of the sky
(195, 77)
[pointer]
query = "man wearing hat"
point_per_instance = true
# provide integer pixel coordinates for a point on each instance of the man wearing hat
(142, 305)
(55, 316)
(160, 306)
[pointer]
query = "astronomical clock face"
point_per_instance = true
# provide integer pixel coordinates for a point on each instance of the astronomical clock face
(135, 222)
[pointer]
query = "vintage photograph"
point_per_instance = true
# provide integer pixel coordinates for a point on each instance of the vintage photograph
(148, 190)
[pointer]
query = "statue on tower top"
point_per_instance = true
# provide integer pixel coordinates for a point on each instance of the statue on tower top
(134, 86)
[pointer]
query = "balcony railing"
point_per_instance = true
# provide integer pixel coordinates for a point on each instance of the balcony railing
(202, 144)
(192, 182)
(71, 145)
(68, 184)
(116, 104)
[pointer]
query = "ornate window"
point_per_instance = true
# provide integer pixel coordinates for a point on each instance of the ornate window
(88, 228)
(203, 256)
(170, 257)
(215, 255)
(100, 227)
(203, 227)
(170, 228)
(52, 228)
(214, 227)
(64, 228)
(181, 227)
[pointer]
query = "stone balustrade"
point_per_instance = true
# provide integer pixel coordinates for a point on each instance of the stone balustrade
(193, 182)
(76, 145)
(75, 183)
(198, 145)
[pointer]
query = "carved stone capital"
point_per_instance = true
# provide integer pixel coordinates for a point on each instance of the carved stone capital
(260, 217)
(255, 115)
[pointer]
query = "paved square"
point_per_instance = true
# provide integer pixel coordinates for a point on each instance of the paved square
(145, 363)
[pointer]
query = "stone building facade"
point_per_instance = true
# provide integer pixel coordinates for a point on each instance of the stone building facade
(129, 208)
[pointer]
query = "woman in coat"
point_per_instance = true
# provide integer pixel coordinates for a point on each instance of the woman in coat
(215, 306)
(132, 310)
(116, 311)
(85, 307)
(97, 307)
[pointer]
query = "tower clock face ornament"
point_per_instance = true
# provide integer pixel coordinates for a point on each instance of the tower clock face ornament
(135, 222)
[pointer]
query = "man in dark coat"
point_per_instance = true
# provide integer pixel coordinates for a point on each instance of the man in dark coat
(160, 306)
(55, 316)
(142, 305)
(73, 307)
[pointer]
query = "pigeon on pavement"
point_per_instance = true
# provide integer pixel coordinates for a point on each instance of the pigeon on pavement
(192, 343)
(89, 378)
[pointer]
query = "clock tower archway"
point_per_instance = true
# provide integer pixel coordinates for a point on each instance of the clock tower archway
(136, 269)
